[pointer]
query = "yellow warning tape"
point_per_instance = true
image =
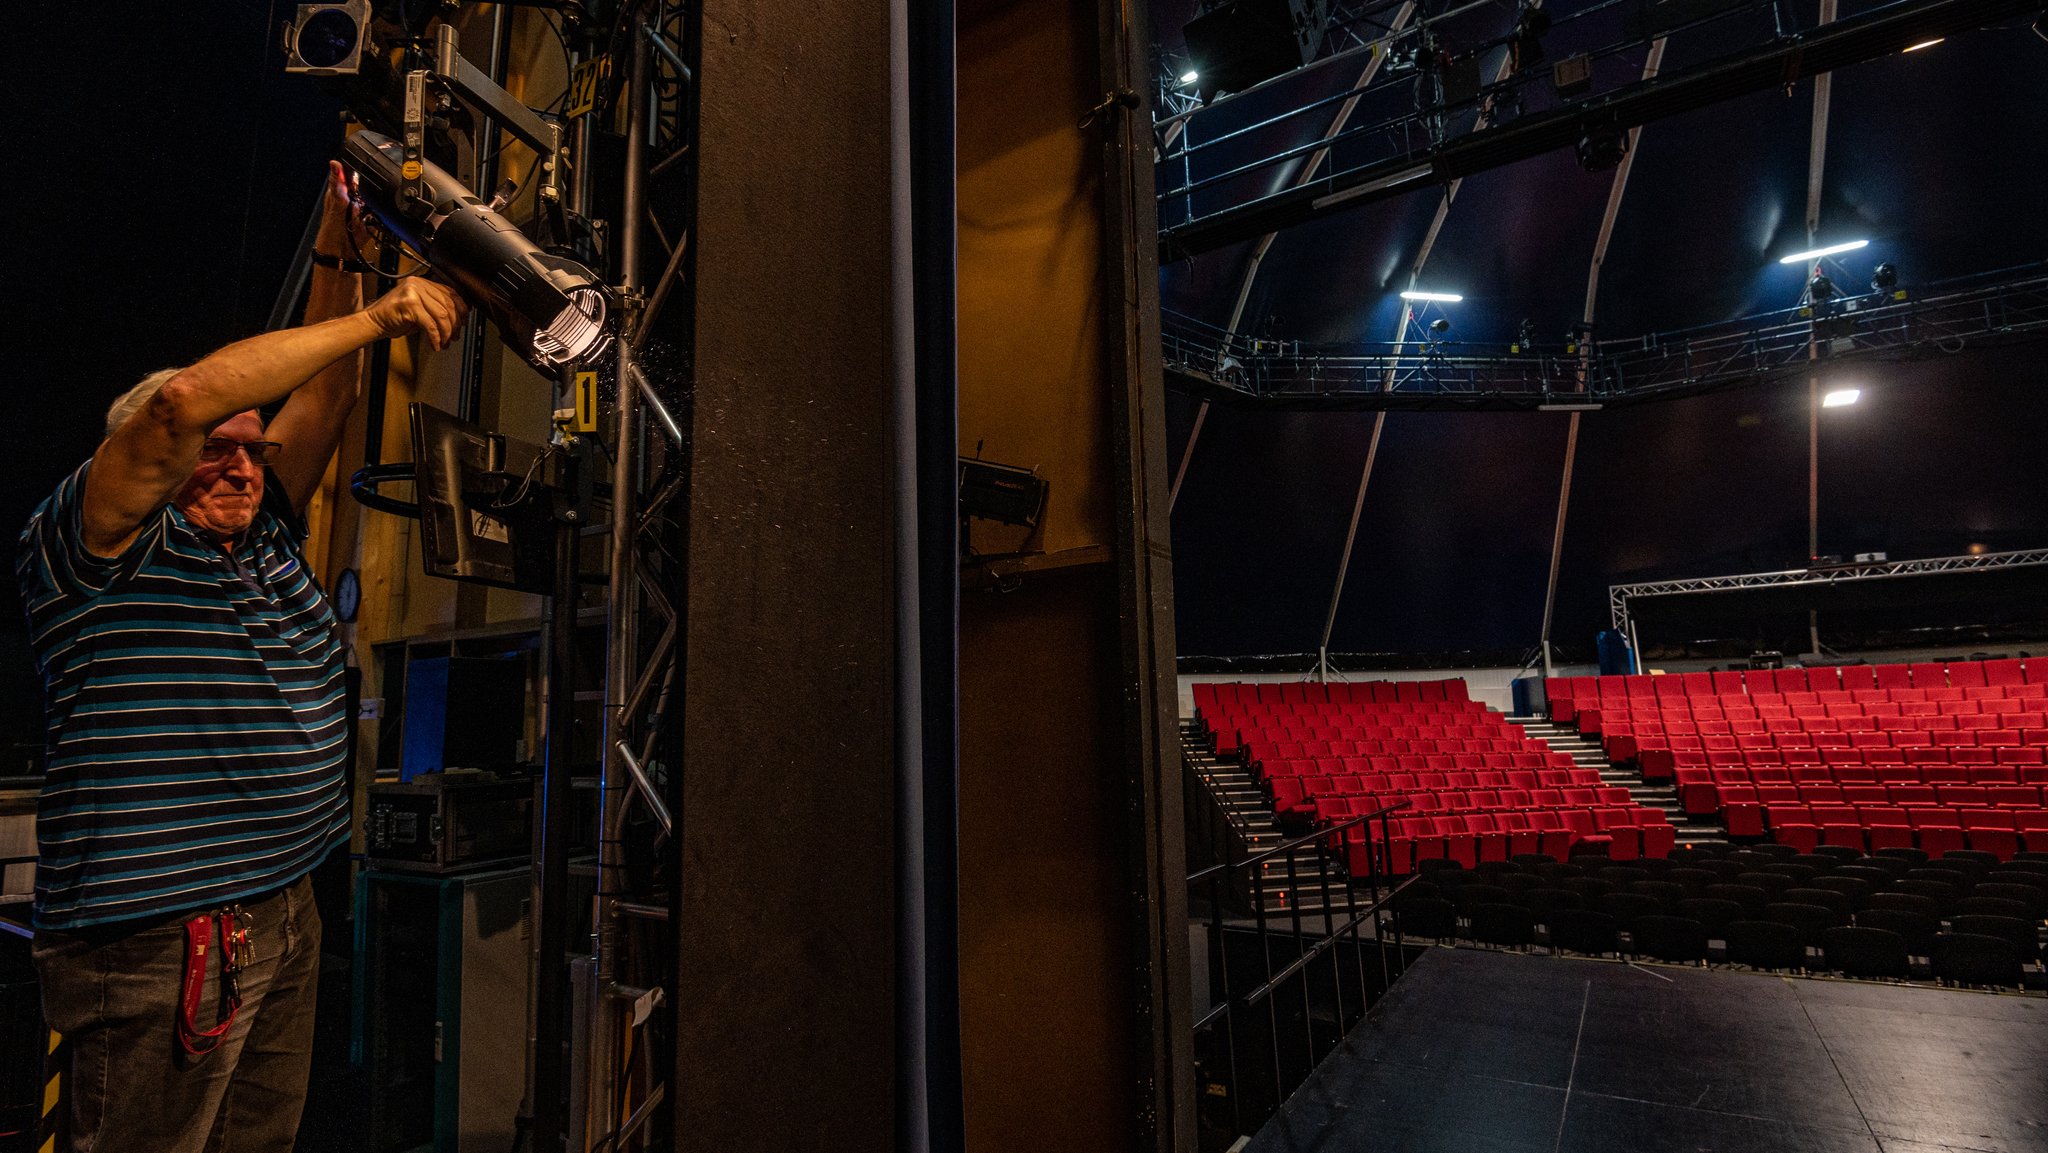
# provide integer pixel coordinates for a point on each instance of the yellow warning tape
(53, 1092)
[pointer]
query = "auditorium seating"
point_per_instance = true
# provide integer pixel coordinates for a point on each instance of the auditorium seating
(1470, 785)
(1938, 756)
(1833, 912)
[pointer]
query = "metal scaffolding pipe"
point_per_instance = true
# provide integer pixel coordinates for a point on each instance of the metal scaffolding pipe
(621, 636)
(1379, 421)
(1571, 437)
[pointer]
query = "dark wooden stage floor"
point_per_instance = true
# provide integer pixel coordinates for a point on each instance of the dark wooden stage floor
(1484, 1052)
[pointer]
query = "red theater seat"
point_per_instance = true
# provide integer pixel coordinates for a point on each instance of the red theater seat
(1991, 831)
(1888, 827)
(1938, 830)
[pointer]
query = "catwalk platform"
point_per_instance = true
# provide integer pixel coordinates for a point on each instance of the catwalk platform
(1482, 1052)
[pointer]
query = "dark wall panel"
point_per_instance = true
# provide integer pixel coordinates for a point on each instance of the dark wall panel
(785, 995)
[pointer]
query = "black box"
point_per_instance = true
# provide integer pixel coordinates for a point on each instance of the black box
(449, 822)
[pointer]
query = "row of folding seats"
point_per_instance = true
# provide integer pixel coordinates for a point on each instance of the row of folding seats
(1459, 713)
(1725, 790)
(1227, 737)
(1269, 768)
(1626, 832)
(1877, 703)
(1566, 693)
(1488, 750)
(1331, 805)
(1661, 764)
(1631, 744)
(1935, 831)
(1371, 740)
(1704, 792)
(1341, 692)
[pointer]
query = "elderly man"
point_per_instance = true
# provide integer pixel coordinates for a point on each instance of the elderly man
(193, 683)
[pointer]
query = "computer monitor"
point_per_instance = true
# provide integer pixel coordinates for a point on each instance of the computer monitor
(485, 502)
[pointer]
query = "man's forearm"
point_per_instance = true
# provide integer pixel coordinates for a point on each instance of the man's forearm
(260, 370)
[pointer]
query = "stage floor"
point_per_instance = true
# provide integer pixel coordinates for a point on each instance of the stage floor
(1484, 1052)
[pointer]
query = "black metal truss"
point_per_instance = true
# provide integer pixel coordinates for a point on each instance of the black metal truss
(1773, 63)
(1207, 362)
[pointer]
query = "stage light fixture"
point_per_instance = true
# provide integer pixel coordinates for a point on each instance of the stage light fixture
(1820, 288)
(1841, 398)
(1830, 250)
(1439, 326)
(1600, 149)
(1525, 43)
(1883, 277)
(327, 39)
(1190, 76)
(1441, 297)
(1236, 44)
(555, 313)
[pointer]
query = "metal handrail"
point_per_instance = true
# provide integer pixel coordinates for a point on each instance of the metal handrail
(1268, 1050)
(1322, 834)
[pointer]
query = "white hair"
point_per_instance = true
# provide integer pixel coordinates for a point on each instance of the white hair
(132, 401)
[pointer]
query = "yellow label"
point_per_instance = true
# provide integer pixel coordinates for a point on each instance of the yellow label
(583, 85)
(586, 402)
(410, 170)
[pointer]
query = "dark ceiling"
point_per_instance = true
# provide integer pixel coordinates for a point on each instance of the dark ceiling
(1934, 156)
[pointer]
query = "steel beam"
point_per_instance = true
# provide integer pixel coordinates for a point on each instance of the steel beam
(1782, 61)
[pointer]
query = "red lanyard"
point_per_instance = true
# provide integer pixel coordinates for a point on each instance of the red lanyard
(236, 952)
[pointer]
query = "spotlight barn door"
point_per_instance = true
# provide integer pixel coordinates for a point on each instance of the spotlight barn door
(1073, 931)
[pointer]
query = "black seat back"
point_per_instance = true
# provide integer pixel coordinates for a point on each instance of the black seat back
(1670, 938)
(1865, 952)
(1765, 945)
(1970, 959)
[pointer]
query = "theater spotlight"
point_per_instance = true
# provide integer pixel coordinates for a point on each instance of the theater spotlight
(1820, 289)
(1883, 278)
(1602, 148)
(555, 313)
(327, 39)
(1439, 326)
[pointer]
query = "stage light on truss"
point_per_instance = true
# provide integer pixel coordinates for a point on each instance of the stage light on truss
(1841, 398)
(1439, 297)
(1189, 77)
(1439, 326)
(555, 313)
(1884, 277)
(1820, 289)
(1924, 44)
(327, 39)
(1830, 250)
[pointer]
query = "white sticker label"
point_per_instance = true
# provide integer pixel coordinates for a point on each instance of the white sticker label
(488, 528)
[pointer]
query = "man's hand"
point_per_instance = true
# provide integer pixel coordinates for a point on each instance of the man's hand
(417, 304)
(343, 232)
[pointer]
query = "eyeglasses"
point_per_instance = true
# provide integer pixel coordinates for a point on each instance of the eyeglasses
(219, 448)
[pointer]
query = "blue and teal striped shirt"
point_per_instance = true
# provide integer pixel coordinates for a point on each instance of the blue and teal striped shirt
(197, 724)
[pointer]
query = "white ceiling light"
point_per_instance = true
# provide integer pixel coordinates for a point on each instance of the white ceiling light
(1840, 398)
(1190, 76)
(1445, 297)
(1816, 254)
(1924, 44)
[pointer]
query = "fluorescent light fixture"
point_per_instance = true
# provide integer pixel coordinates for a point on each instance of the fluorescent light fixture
(1840, 398)
(1924, 44)
(1190, 76)
(1445, 297)
(1830, 250)
(1567, 408)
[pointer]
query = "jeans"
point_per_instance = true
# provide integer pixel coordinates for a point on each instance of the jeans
(113, 992)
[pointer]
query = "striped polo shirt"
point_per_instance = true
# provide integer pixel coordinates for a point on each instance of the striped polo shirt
(196, 714)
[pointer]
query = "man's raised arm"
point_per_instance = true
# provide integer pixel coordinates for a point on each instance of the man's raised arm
(141, 466)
